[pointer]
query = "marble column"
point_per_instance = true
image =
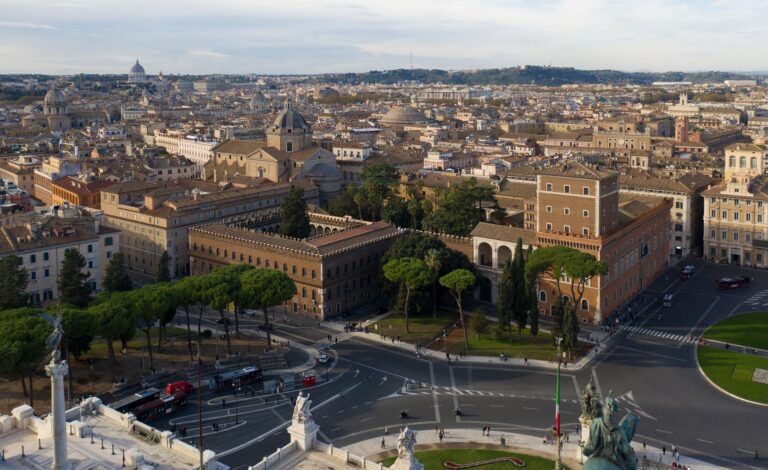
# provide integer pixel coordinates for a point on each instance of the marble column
(56, 370)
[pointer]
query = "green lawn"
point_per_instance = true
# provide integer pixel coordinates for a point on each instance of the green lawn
(99, 348)
(493, 344)
(433, 459)
(748, 329)
(423, 328)
(733, 371)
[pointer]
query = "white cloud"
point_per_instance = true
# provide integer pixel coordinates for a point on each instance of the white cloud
(23, 25)
(207, 53)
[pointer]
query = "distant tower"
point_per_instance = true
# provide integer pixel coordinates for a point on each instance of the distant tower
(683, 98)
(681, 129)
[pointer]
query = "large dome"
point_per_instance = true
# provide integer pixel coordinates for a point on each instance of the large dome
(54, 97)
(258, 102)
(289, 119)
(322, 170)
(137, 68)
(402, 114)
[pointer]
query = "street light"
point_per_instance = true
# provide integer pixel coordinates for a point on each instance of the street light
(199, 409)
(558, 464)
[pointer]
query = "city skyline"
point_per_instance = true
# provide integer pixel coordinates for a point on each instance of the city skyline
(304, 37)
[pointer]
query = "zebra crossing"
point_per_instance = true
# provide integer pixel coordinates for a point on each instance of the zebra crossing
(442, 390)
(660, 334)
(337, 337)
(758, 299)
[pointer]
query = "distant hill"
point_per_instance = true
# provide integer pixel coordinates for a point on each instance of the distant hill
(537, 75)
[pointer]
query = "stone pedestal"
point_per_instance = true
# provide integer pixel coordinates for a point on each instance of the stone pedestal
(407, 463)
(56, 370)
(584, 423)
(305, 434)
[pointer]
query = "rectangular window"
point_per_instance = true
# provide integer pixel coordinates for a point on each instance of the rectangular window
(567, 211)
(748, 216)
(725, 215)
(90, 248)
(585, 231)
(567, 229)
(724, 235)
(46, 272)
(759, 206)
(549, 209)
(585, 213)
(735, 216)
(759, 257)
(549, 186)
(32, 259)
(108, 241)
(46, 256)
(585, 190)
(712, 251)
(747, 237)
(713, 233)
(759, 218)
(567, 188)
(549, 227)
(735, 235)
(33, 275)
(713, 213)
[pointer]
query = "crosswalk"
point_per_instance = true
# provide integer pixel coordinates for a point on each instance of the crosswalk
(337, 337)
(441, 390)
(758, 299)
(660, 334)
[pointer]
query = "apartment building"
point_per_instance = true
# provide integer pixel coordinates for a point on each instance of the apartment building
(40, 240)
(335, 271)
(156, 217)
(735, 217)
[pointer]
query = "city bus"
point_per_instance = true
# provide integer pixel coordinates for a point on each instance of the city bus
(235, 378)
(134, 400)
(162, 406)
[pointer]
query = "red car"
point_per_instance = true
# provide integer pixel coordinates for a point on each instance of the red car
(726, 283)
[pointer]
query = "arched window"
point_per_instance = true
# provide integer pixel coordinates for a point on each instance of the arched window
(732, 162)
(542, 296)
(753, 162)
(742, 162)
(584, 304)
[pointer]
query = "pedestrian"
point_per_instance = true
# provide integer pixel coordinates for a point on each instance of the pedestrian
(382, 443)
(441, 437)
(484, 428)
(566, 437)
(489, 430)
(643, 446)
(526, 360)
(223, 403)
(437, 429)
(503, 441)
(386, 431)
(663, 450)
(757, 457)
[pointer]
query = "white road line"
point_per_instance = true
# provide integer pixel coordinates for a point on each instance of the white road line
(366, 419)
(704, 441)
(746, 451)
(652, 354)
(597, 383)
(455, 398)
(498, 406)
(434, 392)
(665, 432)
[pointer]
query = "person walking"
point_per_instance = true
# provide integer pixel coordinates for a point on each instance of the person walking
(386, 431)
(757, 457)
(663, 450)
(383, 444)
(489, 430)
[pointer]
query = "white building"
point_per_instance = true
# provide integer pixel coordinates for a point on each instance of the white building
(352, 151)
(195, 148)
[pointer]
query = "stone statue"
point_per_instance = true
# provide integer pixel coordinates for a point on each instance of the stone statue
(301, 412)
(406, 452)
(608, 444)
(591, 407)
(406, 443)
(54, 338)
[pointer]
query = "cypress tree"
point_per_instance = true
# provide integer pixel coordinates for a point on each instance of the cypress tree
(295, 219)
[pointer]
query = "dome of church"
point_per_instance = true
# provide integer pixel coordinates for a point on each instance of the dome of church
(137, 73)
(322, 170)
(54, 97)
(137, 68)
(289, 119)
(258, 101)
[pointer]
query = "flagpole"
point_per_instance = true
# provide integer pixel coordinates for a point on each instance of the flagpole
(558, 464)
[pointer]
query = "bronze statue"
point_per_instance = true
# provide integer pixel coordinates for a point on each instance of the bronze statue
(590, 402)
(608, 445)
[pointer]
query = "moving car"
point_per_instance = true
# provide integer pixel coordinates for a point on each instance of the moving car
(667, 300)
(726, 283)
(687, 271)
(322, 359)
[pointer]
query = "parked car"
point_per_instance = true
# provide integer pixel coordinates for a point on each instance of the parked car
(264, 327)
(687, 271)
(224, 321)
(726, 283)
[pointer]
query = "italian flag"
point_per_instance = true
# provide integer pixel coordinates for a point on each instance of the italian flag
(557, 403)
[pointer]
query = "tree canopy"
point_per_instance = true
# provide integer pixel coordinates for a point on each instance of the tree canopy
(74, 288)
(163, 270)
(22, 342)
(412, 274)
(295, 219)
(457, 282)
(378, 185)
(460, 208)
(116, 275)
(13, 283)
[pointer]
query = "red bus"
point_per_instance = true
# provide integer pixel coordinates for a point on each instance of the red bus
(135, 400)
(164, 405)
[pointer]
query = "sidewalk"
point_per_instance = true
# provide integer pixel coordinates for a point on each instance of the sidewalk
(514, 442)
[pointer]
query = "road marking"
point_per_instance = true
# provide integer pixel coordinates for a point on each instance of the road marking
(597, 382)
(672, 358)
(701, 319)
(665, 432)
(366, 419)
(704, 441)
(745, 451)
(334, 429)
(455, 398)
(529, 408)
(496, 406)
(434, 392)
(324, 416)
(339, 412)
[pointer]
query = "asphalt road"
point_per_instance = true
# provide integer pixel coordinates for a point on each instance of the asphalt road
(651, 369)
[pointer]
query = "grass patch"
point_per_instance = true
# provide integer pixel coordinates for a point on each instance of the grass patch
(423, 328)
(748, 329)
(732, 371)
(433, 459)
(497, 341)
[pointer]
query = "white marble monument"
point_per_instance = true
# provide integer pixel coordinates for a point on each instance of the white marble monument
(57, 370)
(303, 428)
(406, 449)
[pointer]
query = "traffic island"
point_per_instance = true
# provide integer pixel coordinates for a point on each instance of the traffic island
(448, 456)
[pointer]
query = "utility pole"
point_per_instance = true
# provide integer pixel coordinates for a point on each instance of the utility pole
(199, 407)
(558, 464)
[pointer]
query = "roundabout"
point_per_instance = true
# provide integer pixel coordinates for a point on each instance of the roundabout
(733, 356)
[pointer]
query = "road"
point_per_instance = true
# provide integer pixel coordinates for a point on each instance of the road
(650, 368)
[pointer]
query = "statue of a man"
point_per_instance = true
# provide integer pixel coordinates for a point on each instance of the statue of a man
(608, 444)
(590, 401)
(301, 412)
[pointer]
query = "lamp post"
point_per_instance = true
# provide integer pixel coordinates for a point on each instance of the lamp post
(199, 407)
(558, 464)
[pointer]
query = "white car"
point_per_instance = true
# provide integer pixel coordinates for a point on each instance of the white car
(323, 359)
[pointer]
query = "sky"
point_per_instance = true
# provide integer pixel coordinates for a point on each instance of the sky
(322, 36)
